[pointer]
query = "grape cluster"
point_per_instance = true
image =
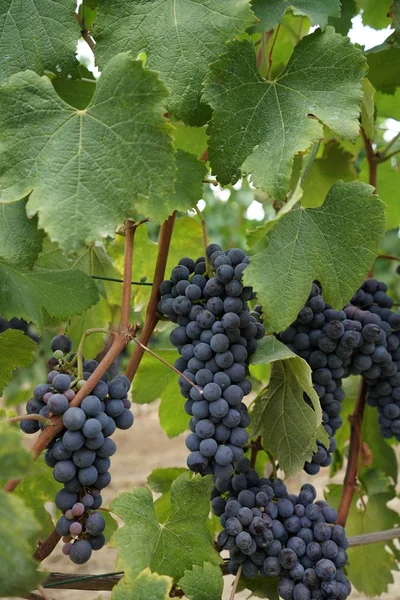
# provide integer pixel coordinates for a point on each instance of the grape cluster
(378, 358)
(80, 454)
(325, 339)
(362, 339)
(215, 336)
(277, 534)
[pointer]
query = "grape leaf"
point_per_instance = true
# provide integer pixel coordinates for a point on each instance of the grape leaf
(335, 244)
(384, 67)
(343, 23)
(292, 30)
(191, 139)
(111, 526)
(376, 517)
(289, 427)
(20, 239)
(26, 294)
(146, 586)
(15, 461)
(368, 109)
(99, 315)
(76, 92)
(18, 575)
(383, 455)
(203, 583)
(388, 105)
(194, 33)
(188, 185)
(269, 349)
(16, 350)
(258, 126)
(334, 164)
(35, 489)
(376, 14)
(270, 12)
(154, 381)
(387, 185)
(181, 542)
(260, 587)
(160, 481)
(89, 189)
(38, 35)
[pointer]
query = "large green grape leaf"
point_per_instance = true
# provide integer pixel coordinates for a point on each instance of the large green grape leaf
(269, 349)
(334, 164)
(154, 381)
(376, 517)
(335, 244)
(20, 239)
(146, 586)
(18, 574)
(35, 489)
(16, 350)
(87, 169)
(260, 587)
(169, 549)
(203, 583)
(270, 12)
(190, 173)
(289, 427)
(38, 35)
(180, 37)
(258, 126)
(26, 294)
(387, 185)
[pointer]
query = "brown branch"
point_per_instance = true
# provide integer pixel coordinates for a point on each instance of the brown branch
(130, 230)
(85, 33)
(45, 548)
(255, 448)
(371, 158)
(235, 584)
(350, 483)
(151, 319)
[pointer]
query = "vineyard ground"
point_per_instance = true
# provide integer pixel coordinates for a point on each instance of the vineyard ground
(144, 448)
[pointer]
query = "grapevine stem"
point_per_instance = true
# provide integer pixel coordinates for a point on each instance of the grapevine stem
(33, 417)
(205, 242)
(235, 583)
(273, 463)
(167, 364)
(79, 352)
(384, 153)
(350, 480)
(389, 257)
(371, 158)
(45, 548)
(271, 51)
(151, 319)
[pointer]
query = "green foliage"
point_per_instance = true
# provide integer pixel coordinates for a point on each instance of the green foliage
(38, 35)
(384, 67)
(16, 350)
(20, 240)
(80, 187)
(28, 294)
(289, 427)
(194, 34)
(160, 481)
(146, 586)
(388, 184)
(270, 12)
(15, 461)
(305, 245)
(36, 488)
(240, 139)
(202, 583)
(181, 542)
(155, 380)
(99, 315)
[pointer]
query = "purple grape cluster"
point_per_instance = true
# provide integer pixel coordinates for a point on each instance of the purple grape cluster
(275, 534)
(378, 358)
(216, 334)
(80, 454)
(362, 339)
